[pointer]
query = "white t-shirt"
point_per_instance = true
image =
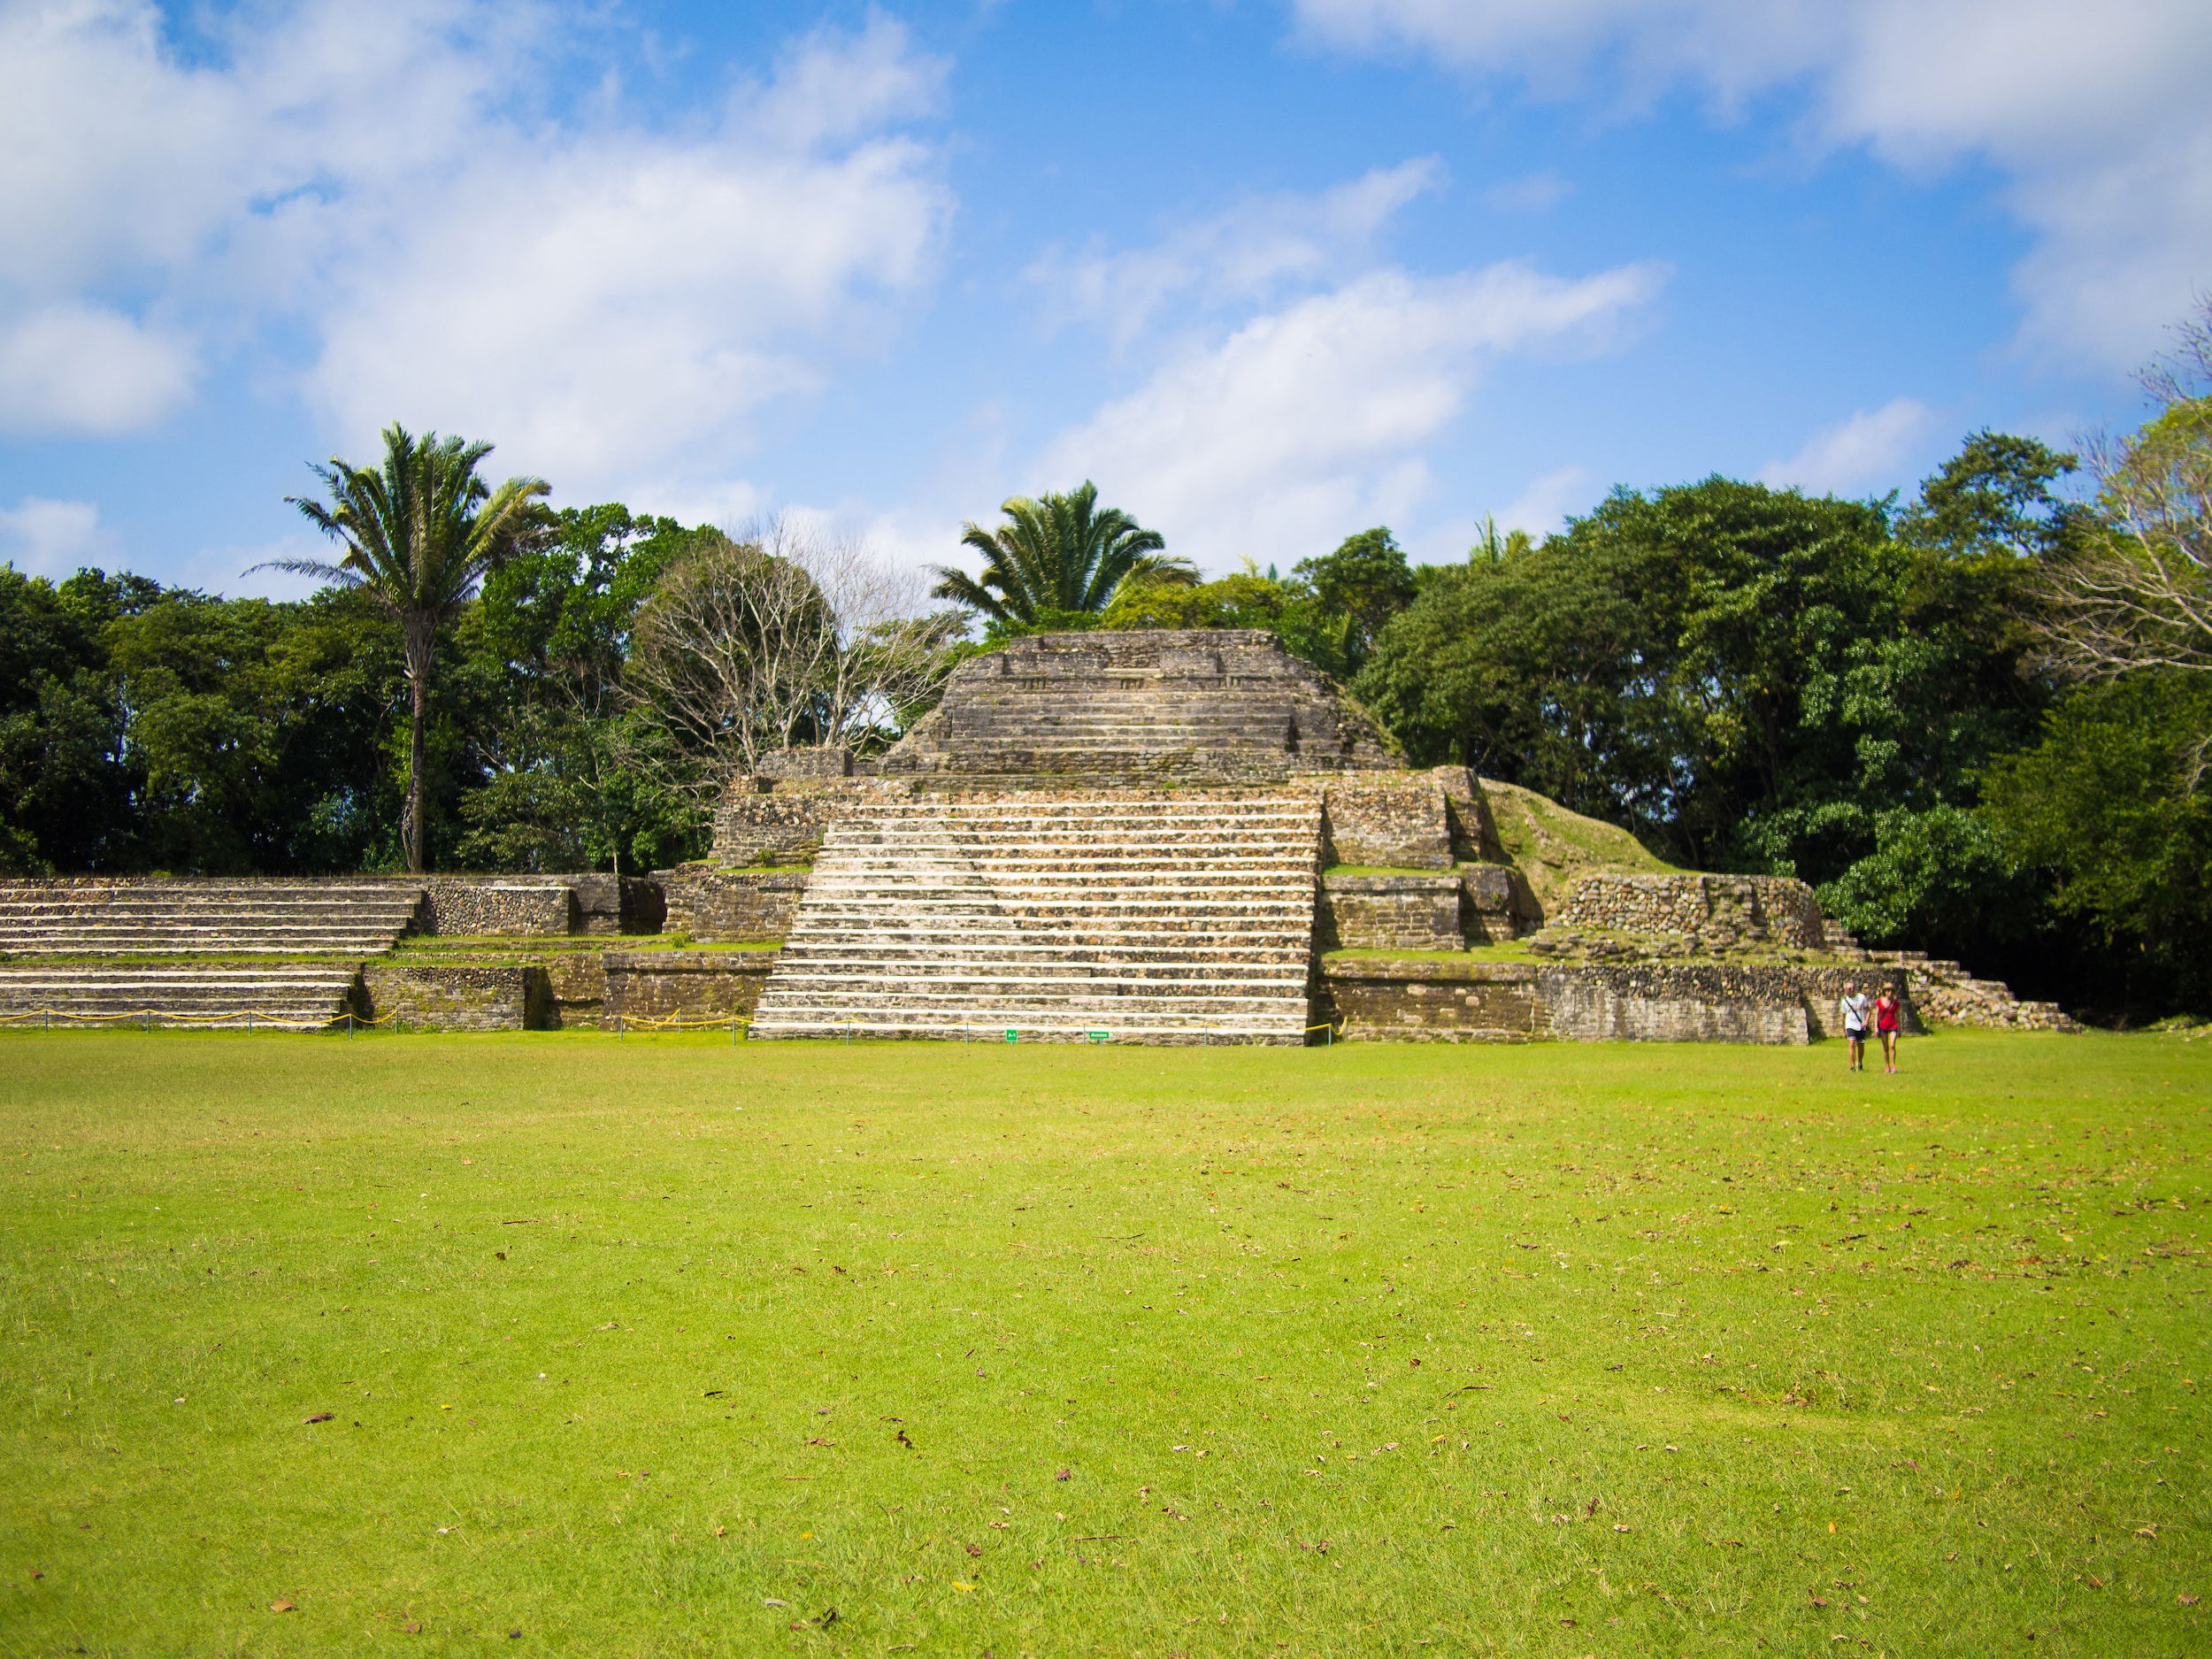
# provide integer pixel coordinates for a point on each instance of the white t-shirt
(1855, 1012)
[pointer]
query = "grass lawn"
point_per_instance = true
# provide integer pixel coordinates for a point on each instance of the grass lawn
(667, 1347)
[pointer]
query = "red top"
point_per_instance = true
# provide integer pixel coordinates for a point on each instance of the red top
(1887, 1009)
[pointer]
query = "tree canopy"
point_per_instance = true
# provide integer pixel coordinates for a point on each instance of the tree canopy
(1057, 561)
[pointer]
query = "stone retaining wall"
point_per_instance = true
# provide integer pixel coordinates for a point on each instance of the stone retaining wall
(1414, 999)
(576, 990)
(1377, 999)
(1475, 904)
(457, 998)
(616, 904)
(692, 984)
(1390, 913)
(1674, 1002)
(491, 904)
(757, 824)
(737, 907)
(1717, 912)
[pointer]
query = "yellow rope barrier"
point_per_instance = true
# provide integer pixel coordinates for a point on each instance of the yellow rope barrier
(179, 1022)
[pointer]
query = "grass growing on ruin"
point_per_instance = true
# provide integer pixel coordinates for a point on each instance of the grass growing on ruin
(671, 1347)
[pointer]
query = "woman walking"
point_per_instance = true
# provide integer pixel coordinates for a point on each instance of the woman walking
(1888, 1016)
(1854, 1009)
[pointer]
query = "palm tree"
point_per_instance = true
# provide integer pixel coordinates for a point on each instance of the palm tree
(1059, 554)
(420, 534)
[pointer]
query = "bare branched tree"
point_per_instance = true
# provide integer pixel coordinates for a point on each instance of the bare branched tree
(2137, 593)
(782, 638)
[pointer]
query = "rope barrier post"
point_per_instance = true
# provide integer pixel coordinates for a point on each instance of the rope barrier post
(249, 1019)
(617, 1028)
(349, 1025)
(732, 1028)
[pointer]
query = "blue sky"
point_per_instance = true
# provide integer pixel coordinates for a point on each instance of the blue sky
(1270, 272)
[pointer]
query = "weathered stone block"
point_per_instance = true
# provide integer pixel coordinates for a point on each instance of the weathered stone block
(1718, 911)
(736, 906)
(1377, 999)
(646, 984)
(828, 761)
(493, 904)
(616, 904)
(457, 998)
(1397, 821)
(1687, 1002)
(1391, 913)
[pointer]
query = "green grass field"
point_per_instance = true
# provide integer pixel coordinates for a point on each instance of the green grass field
(552, 1344)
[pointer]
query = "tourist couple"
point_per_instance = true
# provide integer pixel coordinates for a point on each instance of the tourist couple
(1886, 1014)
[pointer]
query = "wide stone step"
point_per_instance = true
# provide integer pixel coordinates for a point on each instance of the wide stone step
(1151, 1034)
(307, 994)
(1163, 919)
(870, 958)
(815, 980)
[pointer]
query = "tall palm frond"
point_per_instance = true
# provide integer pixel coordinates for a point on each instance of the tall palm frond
(419, 533)
(1058, 552)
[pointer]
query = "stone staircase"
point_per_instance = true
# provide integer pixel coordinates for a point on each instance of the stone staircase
(1003, 733)
(249, 916)
(171, 993)
(1160, 917)
(99, 949)
(1943, 994)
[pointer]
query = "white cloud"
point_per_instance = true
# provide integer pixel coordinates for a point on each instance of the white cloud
(1867, 451)
(43, 537)
(2096, 115)
(67, 367)
(1305, 423)
(1246, 254)
(401, 183)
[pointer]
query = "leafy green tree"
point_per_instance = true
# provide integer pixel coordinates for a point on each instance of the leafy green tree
(1744, 677)
(2112, 805)
(420, 534)
(1059, 557)
(1367, 581)
(65, 792)
(570, 775)
(1994, 497)
(1245, 599)
(254, 730)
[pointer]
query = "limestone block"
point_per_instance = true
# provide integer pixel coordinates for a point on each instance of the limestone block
(1724, 912)
(1391, 913)
(691, 984)
(457, 998)
(608, 904)
(826, 761)
(737, 906)
(1495, 903)
(1415, 1001)
(498, 904)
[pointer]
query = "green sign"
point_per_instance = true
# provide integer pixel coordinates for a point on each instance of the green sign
(1013, 1035)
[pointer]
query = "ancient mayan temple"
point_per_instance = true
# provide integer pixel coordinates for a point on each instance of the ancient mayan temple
(1162, 837)
(1196, 837)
